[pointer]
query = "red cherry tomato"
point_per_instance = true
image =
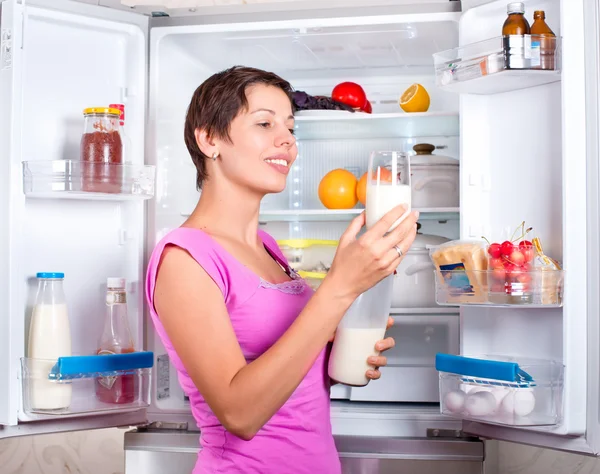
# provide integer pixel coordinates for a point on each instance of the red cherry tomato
(507, 248)
(495, 250)
(350, 93)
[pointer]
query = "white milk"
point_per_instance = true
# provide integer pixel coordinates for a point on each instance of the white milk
(351, 349)
(49, 339)
(383, 198)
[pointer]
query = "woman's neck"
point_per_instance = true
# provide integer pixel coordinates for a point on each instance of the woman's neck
(227, 210)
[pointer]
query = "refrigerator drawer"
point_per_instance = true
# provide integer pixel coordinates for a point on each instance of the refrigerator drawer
(157, 452)
(410, 375)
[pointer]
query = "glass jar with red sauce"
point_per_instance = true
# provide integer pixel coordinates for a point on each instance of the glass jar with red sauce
(101, 151)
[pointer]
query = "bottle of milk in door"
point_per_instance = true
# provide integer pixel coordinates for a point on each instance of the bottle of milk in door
(355, 338)
(49, 339)
(388, 185)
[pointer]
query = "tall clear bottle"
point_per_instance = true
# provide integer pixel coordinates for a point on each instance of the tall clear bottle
(116, 339)
(49, 339)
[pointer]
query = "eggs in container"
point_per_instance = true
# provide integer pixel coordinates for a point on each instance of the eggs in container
(480, 403)
(519, 402)
(455, 401)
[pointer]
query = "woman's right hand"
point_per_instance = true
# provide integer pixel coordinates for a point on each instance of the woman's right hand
(360, 263)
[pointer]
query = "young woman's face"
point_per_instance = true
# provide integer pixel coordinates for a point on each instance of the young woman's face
(262, 147)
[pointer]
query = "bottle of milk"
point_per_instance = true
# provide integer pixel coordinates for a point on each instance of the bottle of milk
(49, 339)
(359, 330)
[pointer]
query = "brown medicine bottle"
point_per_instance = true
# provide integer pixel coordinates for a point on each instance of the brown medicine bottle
(516, 23)
(542, 33)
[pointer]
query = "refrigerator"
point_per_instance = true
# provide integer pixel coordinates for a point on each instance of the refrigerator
(527, 143)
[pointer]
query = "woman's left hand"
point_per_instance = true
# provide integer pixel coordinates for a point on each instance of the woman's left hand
(380, 361)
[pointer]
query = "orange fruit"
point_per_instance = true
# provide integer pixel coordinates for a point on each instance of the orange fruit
(415, 99)
(337, 189)
(361, 188)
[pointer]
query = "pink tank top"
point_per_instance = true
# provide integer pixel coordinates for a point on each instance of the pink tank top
(298, 438)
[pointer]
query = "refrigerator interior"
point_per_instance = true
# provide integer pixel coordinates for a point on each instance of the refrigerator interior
(510, 149)
(385, 59)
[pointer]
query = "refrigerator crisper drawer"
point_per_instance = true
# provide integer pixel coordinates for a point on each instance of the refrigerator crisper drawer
(501, 390)
(86, 384)
(154, 452)
(410, 375)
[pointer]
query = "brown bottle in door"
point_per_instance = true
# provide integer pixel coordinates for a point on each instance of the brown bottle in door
(516, 23)
(542, 33)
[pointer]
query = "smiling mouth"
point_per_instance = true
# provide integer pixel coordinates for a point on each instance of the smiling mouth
(277, 161)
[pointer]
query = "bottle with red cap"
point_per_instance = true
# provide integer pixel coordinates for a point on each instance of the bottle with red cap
(124, 135)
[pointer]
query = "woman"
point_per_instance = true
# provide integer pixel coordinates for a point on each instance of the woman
(247, 336)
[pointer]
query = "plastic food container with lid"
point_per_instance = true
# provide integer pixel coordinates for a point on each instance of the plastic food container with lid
(309, 254)
(434, 178)
(314, 279)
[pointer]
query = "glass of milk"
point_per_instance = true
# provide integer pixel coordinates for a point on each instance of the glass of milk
(359, 330)
(388, 185)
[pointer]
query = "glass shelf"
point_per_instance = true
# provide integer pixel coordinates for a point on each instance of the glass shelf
(499, 64)
(72, 179)
(307, 215)
(336, 124)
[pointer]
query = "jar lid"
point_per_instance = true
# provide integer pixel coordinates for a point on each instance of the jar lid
(102, 110)
(50, 275)
(115, 282)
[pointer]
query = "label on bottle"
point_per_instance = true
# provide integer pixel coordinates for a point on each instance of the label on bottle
(163, 375)
(536, 47)
(108, 381)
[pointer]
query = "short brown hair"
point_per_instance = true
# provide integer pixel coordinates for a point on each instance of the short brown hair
(217, 101)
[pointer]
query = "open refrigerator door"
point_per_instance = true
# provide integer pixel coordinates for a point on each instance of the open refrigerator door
(528, 137)
(71, 220)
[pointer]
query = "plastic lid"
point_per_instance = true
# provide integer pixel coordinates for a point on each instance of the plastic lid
(50, 275)
(316, 275)
(515, 7)
(102, 110)
(422, 241)
(115, 282)
(305, 243)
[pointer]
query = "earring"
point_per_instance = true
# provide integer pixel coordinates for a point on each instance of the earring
(215, 155)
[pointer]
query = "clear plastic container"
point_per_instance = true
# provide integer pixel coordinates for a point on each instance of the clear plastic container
(63, 179)
(314, 279)
(80, 374)
(484, 59)
(309, 255)
(361, 327)
(501, 390)
(533, 288)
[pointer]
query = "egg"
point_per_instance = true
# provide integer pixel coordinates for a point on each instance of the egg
(455, 400)
(480, 403)
(520, 402)
(500, 393)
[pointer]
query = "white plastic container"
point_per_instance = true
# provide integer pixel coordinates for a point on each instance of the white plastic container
(49, 339)
(435, 179)
(361, 327)
(414, 282)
